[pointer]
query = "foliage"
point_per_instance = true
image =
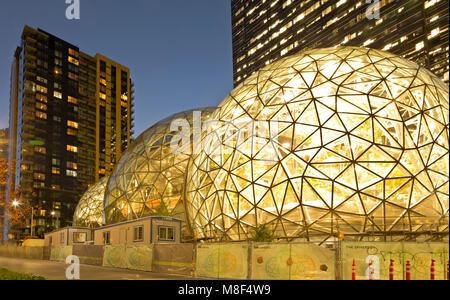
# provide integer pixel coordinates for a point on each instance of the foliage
(262, 233)
(20, 214)
(162, 211)
(9, 275)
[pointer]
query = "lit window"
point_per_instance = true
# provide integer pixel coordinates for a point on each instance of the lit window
(72, 124)
(73, 61)
(41, 106)
(56, 170)
(420, 46)
(72, 132)
(41, 115)
(58, 71)
(71, 173)
(39, 176)
(73, 76)
(57, 95)
(41, 150)
(72, 148)
(72, 100)
(166, 233)
(102, 96)
(72, 165)
(41, 98)
(41, 89)
(73, 53)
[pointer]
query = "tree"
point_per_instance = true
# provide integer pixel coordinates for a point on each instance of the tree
(21, 212)
(262, 233)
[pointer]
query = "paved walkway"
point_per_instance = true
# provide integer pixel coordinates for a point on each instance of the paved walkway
(57, 271)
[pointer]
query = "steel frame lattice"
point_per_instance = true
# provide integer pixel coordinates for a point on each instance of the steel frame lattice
(344, 139)
(90, 208)
(150, 174)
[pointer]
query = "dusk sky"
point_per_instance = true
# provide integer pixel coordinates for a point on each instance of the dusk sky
(179, 51)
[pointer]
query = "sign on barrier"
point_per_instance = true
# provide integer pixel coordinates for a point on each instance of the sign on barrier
(114, 256)
(222, 261)
(372, 260)
(139, 257)
(292, 262)
(60, 253)
(420, 256)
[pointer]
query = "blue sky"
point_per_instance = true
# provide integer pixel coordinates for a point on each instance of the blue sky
(179, 51)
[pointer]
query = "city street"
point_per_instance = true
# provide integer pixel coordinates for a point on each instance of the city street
(56, 271)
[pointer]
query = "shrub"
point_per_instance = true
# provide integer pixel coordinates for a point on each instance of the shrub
(10, 275)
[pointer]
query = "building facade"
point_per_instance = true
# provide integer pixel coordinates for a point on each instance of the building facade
(70, 119)
(265, 31)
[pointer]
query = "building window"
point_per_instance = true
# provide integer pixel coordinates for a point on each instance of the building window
(57, 85)
(73, 61)
(72, 100)
(41, 79)
(71, 148)
(41, 98)
(72, 124)
(56, 170)
(138, 233)
(72, 165)
(57, 95)
(106, 238)
(61, 237)
(41, 106)
(79, 237)
(166, 233)
(72, 132)
(73, 53)
(41, 150)
(41, 89)
(71, 173)
(41, 115)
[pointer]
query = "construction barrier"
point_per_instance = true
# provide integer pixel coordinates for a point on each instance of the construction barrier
(173, 258)
(222, 261)
(421, 255)
(60, 253)
(22, 252)
(292, 262)
(89, 254)
(114, 256)
(393, 260)
(137, 257)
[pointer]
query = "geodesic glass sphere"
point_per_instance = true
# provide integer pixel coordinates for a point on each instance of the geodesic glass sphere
(343, 139)
(89, 211)
(149, 178)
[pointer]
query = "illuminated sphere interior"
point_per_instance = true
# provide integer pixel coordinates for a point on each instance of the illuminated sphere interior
(149, 178)
(90, 208)
(349, 140)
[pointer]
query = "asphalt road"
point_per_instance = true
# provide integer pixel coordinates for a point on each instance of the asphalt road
(57, 271)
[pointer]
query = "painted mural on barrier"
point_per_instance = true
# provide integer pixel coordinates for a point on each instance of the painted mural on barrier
(60, 253)
(373, 259)
(292, 262)
(114, 256)
(223, 261)
(137, 257)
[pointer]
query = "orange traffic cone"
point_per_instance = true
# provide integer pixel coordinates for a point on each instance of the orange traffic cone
(354, 270)
(408, 271)
(391, 270)
(432, 270)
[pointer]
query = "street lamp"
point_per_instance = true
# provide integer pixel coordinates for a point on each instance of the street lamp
(16, 203)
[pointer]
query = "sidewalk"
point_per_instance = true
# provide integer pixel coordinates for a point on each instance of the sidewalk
(57, 271)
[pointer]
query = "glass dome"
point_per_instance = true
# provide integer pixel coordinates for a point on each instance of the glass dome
(149, 178)
(349, 140)
(89, 211)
